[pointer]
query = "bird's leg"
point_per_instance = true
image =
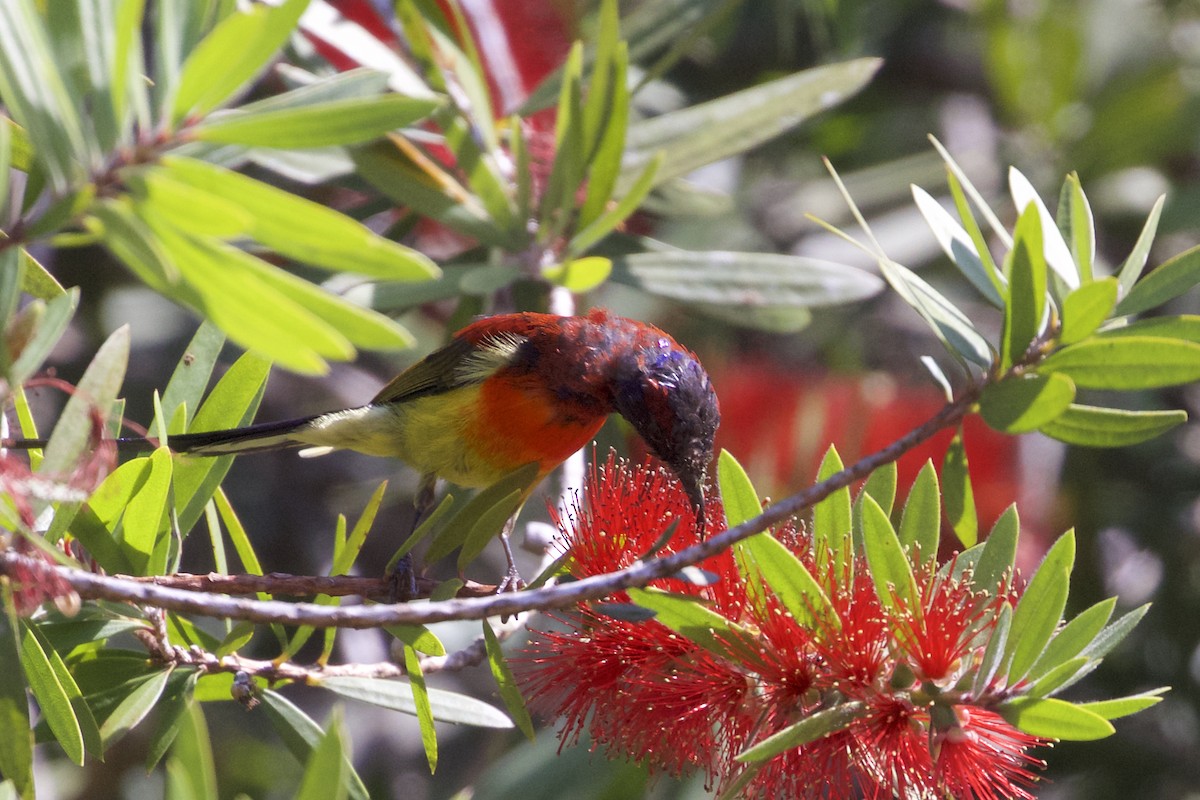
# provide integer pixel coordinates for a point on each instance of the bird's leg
(512, 579)
(402, 580)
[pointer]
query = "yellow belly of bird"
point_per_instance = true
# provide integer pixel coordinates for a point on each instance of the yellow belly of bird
(430, 434)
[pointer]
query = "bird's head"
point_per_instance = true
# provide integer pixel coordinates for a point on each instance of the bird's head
(664, 392)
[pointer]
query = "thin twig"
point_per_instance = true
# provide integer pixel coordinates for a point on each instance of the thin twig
(279, 583)
(91, 586)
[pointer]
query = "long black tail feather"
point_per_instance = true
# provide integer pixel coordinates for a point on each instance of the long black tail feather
(250, 439)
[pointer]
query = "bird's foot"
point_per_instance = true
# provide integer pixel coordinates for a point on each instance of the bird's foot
(402, 581)
(512, 581)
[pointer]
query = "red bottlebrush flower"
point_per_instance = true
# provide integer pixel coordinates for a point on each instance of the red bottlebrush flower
(645, 692)
(986, 758)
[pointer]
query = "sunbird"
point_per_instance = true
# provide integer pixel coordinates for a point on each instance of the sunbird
(511, 390)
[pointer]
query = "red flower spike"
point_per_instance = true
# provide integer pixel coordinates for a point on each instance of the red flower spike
(645, 692)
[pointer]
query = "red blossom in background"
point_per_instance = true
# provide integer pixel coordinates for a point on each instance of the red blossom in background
(643, 691)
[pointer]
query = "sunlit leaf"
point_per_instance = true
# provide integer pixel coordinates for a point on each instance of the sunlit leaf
(1086, 308)
(1053, 249)
(1127, 362)
(889, 565)
(1040, 608)
(54, 699)
(133, 707)
(16, 745)
(921, 521)
(1091, 426)
(809, 729)
(1073, 637)
(1131, 268)
(996, 562)
(1023, 403)
(1166, 282)
(337, 122)
(579, 275)
(949, 324)
(787, 577)
(738, 497)
(958, 245)
(1026, 302)
(190, 766)
(698, 624)
(1123, 706)
(1055, 719)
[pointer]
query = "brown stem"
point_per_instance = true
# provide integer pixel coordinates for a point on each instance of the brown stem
(279, 583)
(91, 586)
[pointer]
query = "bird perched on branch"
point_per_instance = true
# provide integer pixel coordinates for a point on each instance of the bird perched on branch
(510, 390)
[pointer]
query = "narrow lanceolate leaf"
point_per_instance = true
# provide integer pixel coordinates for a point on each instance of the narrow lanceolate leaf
(191, 771)
(231, 55)
(787, 577)
(889, 565)
(993, 654)
(482, 517)
(1127, 362)
(881, 485)
(1115, 632)
(59, 697)
(1091, 426)
(324, 774)
(1024, 403)
(1081, 227)
(1056, 678)
(949, 324)
(698, 624)
(1040, 608)
(337, 123)
(134, 707)
(143, 517)
(957, 495)
(1053, 249)
(738, 497)
(396, 695)
(94, 394)
(50, 328)
(304, 230)
(809, 729)
(301, 735)
(1132, 267)
(832, 517)
(1027, 288)
(16, 745)
(1181, 326)
(709, 132)
(510, 692)
(1056, 719)
(1086, 308)
(1168, 281)
(1124, 706)
(921, 521)
(996, 562)
(958, 245)
(1073, 637)
(745, 279)
(420, 693)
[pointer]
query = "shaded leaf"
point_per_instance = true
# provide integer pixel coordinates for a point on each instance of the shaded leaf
(698, 624)
(949, 324)
(325, 771)
(133, 707)
(889, 565)
(1040, 608)
(510, 692)
(396, 695)
(959, 246)
(1169, 280)
(300, 734)
(1026, 305)
(809, 729)
(787, 577)
(344, 121)
(998, 558)
(16, 745)
(921, 521)
(958, 497)
(1023, 403)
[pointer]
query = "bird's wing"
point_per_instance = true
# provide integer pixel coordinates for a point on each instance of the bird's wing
(460, 363)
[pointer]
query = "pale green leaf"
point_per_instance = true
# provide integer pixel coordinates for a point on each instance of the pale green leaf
(1024, 403)
(1127, 362)
(340, 122)
(1040, 608)
(1110, 427)
(396, 695)
(1055, 719)
(1086, 308)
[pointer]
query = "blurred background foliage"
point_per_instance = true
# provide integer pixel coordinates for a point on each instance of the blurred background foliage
(1108, 88)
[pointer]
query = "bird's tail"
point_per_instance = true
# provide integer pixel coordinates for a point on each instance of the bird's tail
(250, 439)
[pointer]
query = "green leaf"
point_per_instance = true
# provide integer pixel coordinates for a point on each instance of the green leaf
(890, 568)
(1026, 302)
(510, 691)
(1114, 633)
(192, 373)
(325, 771)
(1110, 427)
(708, 132)
(809, 729)
(1127, 362)
(1024, 403)
(1169, 280)
(785, 575)
(95, 393)
(1040, 608)
(996, 562)
(949, 324)
(604, 222)
(738, 497)
(698, 624)
(304, 230)
(231, 403)
(881, 485)
(143, 520)
(35, 279)
(480, 519)
(1061, 676)
(200, 213)
(231, 55)
(959, 245)
(76, 717)
(50, 328)
(1055, 719)
(1081, 229)
(1182, 326)
(1086, 308)
(993, 654)
(1131, 268)
(358, 536)
(190, 768)
(335, 123)
(16, 745)
(579, 275)
(745, 279)
(832, 517)
(1073, 637)
(921, 521)
(958, 497)
(446, 706)
(133, 707)
(133, 243)
(1051, 246)
(300, 734)
(172, 710)
(37, 97)
(1123, 706)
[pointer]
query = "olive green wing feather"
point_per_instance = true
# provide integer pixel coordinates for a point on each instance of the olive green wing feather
(460, 363)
